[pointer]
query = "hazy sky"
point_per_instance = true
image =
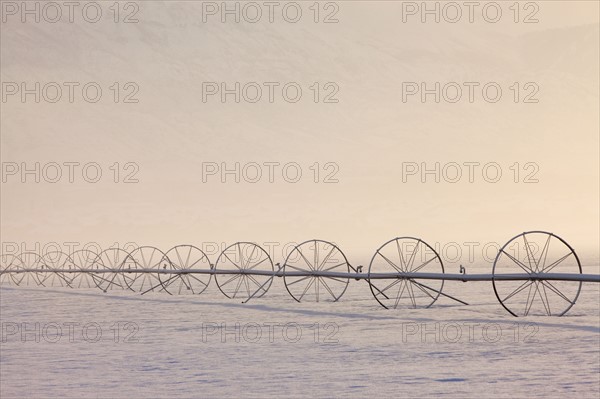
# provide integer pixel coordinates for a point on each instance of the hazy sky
(360, 133)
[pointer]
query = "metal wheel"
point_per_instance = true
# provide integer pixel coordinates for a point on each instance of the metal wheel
(147, 259)
(536, 252)
(405, 255)
(241, 259)
(186, 257)
(315, 256)
(81, 261)
(112, 260)
(56, 260)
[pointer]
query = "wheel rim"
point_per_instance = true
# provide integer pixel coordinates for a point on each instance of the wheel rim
(240, 258)
(81, 260)
(537, 252)
(145, 258)
(186, 257)
(314, 256)
(405, 255)
(110, 259)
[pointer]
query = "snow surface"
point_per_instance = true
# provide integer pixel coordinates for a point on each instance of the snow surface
(362, 349)
(171, 132)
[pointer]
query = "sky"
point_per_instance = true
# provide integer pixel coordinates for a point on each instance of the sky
(331, 136)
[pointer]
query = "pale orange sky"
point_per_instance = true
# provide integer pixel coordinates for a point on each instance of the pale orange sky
(369, 133)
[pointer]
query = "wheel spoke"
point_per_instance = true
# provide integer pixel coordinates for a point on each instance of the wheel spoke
(411, 294)
(400, 292)
(304, 257)
(333, 267)
(327, 288)
(519, 289)
(544, 254)
(553, 265)
(198, 280)
(545, 303)
(423, 265)
(307, 288)
(528, 251)
(201, 258)
(260, 286)
(337, 279)
(518, 262)
(375, 295)
(181, 285)
(235, 264)
(552, 288)
(297, 268)
(393, 283)
(230, 280)
(299, 280)
(527, 304)
(143, 258)
(412, 257)
(250, 257)
(247, 285)
(187, 260)
(179, 257)
(259, 263)
(400, 255)
(316, 259)
(237, 288)
(390, 262)
(326, 259)
(241, 255)
(419, 286)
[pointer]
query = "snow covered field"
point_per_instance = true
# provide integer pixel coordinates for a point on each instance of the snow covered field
(173, 161)
(176, 346)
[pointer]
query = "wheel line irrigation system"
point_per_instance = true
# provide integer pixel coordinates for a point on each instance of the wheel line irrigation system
(536, 272)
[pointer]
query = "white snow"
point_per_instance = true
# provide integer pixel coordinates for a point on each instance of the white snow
(373, 351)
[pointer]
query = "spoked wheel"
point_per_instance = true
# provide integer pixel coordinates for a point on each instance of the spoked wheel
(81, 261)
(186, 257)
(536, 252)
(56, 260)
(315, 256)
(140, 263)
(30, 260)
(8, 265)
(111, 262)
(241, 259)
(405, 255)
